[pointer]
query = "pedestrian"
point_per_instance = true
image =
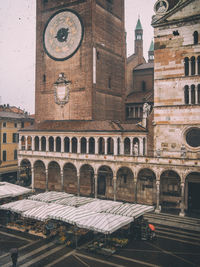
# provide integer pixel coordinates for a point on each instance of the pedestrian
(14, 256)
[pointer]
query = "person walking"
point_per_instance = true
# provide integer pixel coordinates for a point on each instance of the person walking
(14, 256)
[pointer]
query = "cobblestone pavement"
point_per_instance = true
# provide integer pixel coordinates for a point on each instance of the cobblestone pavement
(173, 248)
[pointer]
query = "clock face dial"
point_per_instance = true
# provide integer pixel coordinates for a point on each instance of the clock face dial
(63, 35)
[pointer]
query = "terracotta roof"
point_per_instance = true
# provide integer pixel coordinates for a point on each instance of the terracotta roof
(140, 97)
(83, 126)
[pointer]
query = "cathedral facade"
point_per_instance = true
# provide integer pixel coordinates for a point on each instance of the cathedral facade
(80, 142)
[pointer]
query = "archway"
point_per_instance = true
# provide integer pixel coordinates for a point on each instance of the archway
(146, 187)
(54, 178)
(170, 190)
(25, 177)
(39, 175)
(125, 185)
(70, 178)
(105, 182)
(192, 195)
(87, 180)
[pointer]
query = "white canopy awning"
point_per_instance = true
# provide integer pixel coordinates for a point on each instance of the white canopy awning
(50, 196)
(99, 205)
(104, 222)
(75, 201)
(130, 210)
(21, 205)
(12, 190)
(41, 213)
(70, 214)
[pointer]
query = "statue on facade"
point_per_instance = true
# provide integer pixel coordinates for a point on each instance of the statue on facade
(146, 110)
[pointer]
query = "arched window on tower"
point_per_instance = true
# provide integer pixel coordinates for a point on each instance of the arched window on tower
(186, 93)
(143, 86)
(196, 37)
(198, 65)
(192, 65)
(186, 64)
(193, 94)
(198, 94)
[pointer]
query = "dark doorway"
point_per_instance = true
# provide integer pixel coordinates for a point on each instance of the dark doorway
(194, 197)
(101, 185)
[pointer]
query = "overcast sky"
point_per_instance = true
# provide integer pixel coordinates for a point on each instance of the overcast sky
(17, 46)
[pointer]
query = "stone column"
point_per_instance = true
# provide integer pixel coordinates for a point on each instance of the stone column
(115, 187)
(141, 147)
(40, 145)
(26, 142)
(54, 144)
(33, 181)
(135, 189)
(95, 184)
(70, 145)
(106, 146)
(131, 148)
(62, 144)
(47, 143)
(62, 180)
(182, 204)
(196, 95)
(32, 143)
(20, 143)
(196, 66)
(158, 208)
(189, 95)
(121, 146)
(190, 69)
(96, 145)
(78, 145)
(115, 146)
(78, 183)
(87, 145)
(46, 173)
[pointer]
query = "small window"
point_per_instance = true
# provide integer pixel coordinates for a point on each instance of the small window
(4, 138)
(22, 124)
(4, 124)
(15, 154)
(193, 65)
(143, 86)
(193, 137)
(193, 98)
(186, 93)
(15, 125)
(15, 137)
(44, 78)
(196, 37)
(4, 156)
(186, 63)
(138, 37)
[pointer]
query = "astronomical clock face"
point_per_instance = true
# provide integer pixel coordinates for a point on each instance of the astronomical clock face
(63, 35)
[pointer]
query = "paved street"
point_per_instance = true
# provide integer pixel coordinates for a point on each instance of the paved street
(173, 247)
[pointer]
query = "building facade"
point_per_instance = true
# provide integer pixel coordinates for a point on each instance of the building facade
(100, 155)
(12, 119)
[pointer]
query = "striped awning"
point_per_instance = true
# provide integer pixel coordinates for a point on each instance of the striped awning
(21, 205)
(41, 213)
(50, 196)
(130, 210)
(99, 205)
(70, 215)
(104, 223)
(12, 190)
(75, 201)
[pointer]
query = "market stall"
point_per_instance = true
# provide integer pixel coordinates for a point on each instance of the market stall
(50, 196)
(99, 205)
(75, 201)
(12, 190)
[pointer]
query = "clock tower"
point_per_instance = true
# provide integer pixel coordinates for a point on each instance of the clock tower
(80, 60)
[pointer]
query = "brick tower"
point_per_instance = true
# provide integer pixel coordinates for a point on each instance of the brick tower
(80, 60)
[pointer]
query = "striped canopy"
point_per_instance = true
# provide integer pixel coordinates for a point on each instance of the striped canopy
(50, 196)
(99, 205)
(104, 222)
(130, 210)
(12, 190)
(21, 205)
(75, 201)
(41, 213)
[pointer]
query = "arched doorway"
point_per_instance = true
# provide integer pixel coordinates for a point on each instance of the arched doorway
(39, 175)
(25, 177)
(87, 180)
(54, 178)
(146, 187)
(105, 182)
(192, 194)
(170, 190)
(70, 178)
(125, 185)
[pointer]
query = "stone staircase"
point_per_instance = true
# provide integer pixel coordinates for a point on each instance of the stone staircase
(185, 223)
